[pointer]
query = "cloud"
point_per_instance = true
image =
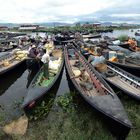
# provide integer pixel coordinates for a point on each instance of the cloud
(31, 11)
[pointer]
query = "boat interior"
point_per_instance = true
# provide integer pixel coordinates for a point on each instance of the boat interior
(125, 81)
(54, 65)
(92, 85)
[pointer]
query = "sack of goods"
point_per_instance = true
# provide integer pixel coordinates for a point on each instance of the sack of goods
(6, 63)
(54, 65)
(121, 57)
(77, 73)
(97, 60)
(20, 55)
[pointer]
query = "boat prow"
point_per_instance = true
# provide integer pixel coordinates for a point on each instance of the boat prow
(32, 94)
(111, 106)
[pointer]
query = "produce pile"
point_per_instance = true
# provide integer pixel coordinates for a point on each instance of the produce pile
(21, 55)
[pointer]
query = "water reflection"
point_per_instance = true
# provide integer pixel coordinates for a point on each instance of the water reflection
(117, 33)
(9, 78)
(64, 87)
(13, 96)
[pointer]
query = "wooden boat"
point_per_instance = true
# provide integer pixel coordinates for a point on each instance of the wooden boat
(10, 61)
(100, 96)
(125, 45)
(39, 86)
(5, 44)
(131, 65)
(123, 80)
(3, 54)
(137, 34)
(89, 36)
(60, 40)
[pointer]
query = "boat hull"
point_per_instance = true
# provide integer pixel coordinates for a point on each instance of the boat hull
(36, 93)
(135, 70)
(106, 105)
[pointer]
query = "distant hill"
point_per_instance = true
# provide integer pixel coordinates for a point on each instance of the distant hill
(52, 24)
(47, 24)
(87, 21)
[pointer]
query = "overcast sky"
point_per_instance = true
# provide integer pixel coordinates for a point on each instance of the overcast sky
(33, 11)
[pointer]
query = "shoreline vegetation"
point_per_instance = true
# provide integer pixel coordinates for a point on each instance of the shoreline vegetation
(66, 120)
(77, 27)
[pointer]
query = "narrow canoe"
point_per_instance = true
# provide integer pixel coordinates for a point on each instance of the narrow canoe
(101, 96)
(13, 62)
(39, 86)
(130, 66)
(89, 36)
(123, 80)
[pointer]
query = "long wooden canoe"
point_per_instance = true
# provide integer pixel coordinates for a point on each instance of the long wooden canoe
(90, 36)
(13, 62)
(130, 66)
(123, 80)
(40, 86)
(101, 96)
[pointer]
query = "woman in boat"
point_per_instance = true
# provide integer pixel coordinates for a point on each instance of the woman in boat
(33, 61)
(45, 59)
(133, 44)
(33, 52)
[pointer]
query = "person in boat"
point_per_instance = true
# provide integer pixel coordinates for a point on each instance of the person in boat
(33, 52)
(37, 38)
(11, 44)
(33, 61)
(133, 44)
(45, 59)
(91, 50)
(20, 43)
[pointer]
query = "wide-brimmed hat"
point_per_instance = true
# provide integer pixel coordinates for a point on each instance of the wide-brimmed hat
(33, 46)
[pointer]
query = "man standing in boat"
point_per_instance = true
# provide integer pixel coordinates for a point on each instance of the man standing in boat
(45, 59)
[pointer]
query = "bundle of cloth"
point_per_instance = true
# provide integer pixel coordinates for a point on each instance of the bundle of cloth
(54, 65)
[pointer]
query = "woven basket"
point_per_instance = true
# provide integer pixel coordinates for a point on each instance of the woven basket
(101, 67)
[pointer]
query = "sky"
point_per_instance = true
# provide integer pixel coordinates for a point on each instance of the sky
(69, 11)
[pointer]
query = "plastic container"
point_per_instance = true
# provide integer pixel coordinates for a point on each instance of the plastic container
(112, 54)
(121, 57)
(105, 54)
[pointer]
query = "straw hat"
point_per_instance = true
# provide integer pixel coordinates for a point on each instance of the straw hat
(33, 46)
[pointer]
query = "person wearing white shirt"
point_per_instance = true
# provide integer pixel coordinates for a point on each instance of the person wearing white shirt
(45, 59)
